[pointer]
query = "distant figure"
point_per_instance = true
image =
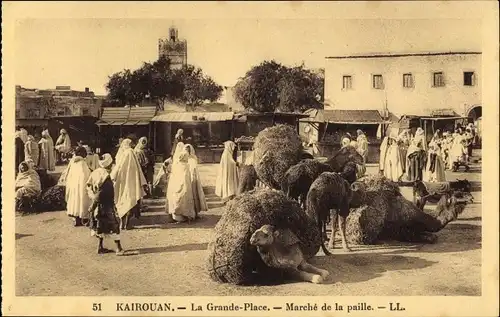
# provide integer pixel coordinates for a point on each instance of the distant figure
(416, 155)
(47, 152)
(345, 142)
(24, 135)
(179, 137)
(161, 179)
(63, 145)
(31, 150)
(19, 148)
(141, 152)
(390, 159)
(200, 203)
(77, 200)
(434, 170)
(226, 185)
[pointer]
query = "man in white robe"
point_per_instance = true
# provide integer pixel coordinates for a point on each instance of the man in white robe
(129, 183)
(180, 197)
(390, 159)
(77, 199)
(63, 145)
(47, 152)
(226, 185)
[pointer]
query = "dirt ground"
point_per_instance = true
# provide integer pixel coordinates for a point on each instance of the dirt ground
(54, 258)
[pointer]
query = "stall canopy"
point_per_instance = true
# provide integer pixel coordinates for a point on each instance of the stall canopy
(345, 117)
(193, 117)
(126, 116)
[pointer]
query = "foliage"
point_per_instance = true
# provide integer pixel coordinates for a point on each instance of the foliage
(159, 83)
(271, 86)
(196, 86)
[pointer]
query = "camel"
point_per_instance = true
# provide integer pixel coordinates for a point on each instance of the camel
(281, 249)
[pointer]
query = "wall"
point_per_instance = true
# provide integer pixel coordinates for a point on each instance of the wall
(34, 103)
(400, 100)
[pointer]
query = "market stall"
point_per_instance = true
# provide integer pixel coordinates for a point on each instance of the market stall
(332, 125)
(206, 131)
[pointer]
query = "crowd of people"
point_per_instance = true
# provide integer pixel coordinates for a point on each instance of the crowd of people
(404, 157)
(105, 193)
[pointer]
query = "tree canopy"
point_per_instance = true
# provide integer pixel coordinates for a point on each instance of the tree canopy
(158, 82)
(271, 86)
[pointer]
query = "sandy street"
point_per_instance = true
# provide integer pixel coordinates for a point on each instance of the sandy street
(54, 258)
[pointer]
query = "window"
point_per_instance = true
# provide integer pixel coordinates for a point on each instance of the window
(18, 113)
(407, 80)
(468, 78)
(378, 82)
(438, 79)
(33, 113)
(346, 82)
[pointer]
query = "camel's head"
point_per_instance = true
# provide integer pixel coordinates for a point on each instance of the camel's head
(464, 196)
(358, 190)
(451, 206)
(351, 154)
(263, 236)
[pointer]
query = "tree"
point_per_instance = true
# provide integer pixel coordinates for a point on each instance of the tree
(158, 82)
(196, 87)
(120, 89)
(271, 86)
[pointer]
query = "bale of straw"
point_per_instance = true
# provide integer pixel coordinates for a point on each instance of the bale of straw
(378, 183)
(27, 205)
(53, 199)
(365, 223)
(276, 149)
(231, 258)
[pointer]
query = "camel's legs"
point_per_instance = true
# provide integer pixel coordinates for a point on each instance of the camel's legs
(305, 276)
(342, 224)
(312, 269)
(333, 221)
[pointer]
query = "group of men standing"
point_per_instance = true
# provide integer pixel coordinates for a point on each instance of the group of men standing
(41, 151)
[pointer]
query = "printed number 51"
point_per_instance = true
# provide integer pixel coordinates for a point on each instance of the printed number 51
(96, 307)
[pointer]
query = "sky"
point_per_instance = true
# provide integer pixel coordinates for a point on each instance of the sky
(84, 52)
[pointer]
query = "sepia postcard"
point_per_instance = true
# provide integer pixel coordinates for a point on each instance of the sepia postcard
(226, 158)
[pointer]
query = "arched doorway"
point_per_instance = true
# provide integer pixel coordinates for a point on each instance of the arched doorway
(475, 112)
(475, 115)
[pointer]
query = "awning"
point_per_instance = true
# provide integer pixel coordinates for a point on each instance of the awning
(347, 117)
(194, 117)
(126, 116)
(441, 118)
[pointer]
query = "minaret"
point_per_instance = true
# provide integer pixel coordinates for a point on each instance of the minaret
(173, 48)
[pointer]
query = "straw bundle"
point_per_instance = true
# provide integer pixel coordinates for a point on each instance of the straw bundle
(231, 257)
(276, 149)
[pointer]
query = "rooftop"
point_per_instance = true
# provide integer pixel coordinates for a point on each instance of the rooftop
(382, 55)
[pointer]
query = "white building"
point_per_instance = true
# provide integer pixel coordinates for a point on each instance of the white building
(412, 84)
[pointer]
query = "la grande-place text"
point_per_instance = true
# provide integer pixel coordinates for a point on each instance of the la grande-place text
(250, 306)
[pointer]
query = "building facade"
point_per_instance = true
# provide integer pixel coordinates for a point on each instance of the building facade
(59, 102)
(173, 48)
(412, 84)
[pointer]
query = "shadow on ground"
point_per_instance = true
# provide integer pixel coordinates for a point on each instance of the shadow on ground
(175, 248)
(22, 235)
(159, 221)
(455, 237)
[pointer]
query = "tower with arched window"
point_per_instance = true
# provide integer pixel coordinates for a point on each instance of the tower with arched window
(173, 48)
